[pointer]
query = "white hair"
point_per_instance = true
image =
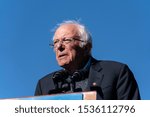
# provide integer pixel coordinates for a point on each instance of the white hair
(84, 33)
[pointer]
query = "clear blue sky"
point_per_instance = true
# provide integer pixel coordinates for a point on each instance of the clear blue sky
(120, 30)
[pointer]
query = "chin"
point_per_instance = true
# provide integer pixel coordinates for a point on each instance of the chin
(64, 65)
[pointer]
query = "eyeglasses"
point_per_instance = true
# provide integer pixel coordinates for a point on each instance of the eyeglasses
(64, 41)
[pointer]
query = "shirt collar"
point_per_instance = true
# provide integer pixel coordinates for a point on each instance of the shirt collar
(88, 64)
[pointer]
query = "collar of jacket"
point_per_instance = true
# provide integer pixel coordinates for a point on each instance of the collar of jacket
(95, 74)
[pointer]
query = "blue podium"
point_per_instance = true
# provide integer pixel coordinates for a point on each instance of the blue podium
(90, 95)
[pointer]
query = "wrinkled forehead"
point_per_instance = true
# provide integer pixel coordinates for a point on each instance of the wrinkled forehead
(66, 30)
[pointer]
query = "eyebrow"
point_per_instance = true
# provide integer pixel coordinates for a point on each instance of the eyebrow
(75, 37)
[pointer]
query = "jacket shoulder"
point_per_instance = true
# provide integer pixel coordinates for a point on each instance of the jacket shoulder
(111, 67)
(109, 64)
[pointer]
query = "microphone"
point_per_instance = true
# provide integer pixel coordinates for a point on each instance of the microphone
(59, 77)
(64, 82)
(79, 75)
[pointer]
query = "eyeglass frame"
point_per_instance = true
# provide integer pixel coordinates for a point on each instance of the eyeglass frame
(64, 41)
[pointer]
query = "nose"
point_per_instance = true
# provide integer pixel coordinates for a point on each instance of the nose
(60, 47)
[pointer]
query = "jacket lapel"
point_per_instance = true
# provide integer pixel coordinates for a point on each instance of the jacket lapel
(95, 76)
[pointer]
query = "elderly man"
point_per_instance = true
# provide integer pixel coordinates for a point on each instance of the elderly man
(72, 44)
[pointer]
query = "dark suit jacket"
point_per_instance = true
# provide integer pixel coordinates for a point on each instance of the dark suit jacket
(112, 81)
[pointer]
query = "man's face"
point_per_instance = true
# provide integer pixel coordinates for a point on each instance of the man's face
(67, 54)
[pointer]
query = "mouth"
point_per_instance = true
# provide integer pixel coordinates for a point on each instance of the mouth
(62, 56)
